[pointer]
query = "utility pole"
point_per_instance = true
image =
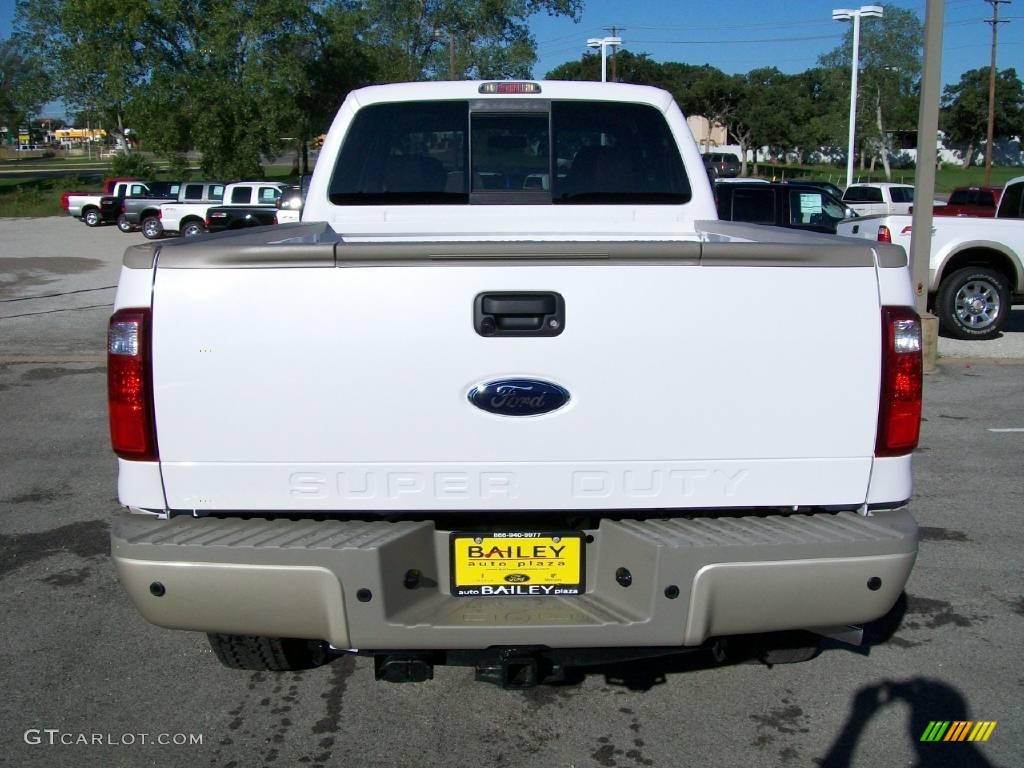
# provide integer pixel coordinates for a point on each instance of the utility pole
(614, 32)
(924, 175)
(994, 22)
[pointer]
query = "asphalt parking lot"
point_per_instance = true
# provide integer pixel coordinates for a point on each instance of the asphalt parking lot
(80, 662)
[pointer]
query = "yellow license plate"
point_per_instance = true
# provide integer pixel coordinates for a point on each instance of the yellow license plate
(522, 563)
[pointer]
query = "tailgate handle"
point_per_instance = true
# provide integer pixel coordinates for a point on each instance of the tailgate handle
(524, 313)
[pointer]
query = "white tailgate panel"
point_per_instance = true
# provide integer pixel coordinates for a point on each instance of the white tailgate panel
(347, 388)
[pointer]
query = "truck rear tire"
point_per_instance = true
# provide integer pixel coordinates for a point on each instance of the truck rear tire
(152, 229)
(124, 225)
(268, 654)
(972, 303)
(91, 217)
(192, 229)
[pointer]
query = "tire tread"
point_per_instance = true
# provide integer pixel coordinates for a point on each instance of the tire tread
(269, 654)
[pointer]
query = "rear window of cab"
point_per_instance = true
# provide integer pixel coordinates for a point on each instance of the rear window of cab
(508, 152)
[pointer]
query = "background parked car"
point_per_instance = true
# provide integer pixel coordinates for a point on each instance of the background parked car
(86, 206)
(264, 210)
(826, 186)
(781, 205)
(722, 164)
(971, 201)
(289, 205)
(187, 217)
(879, 199)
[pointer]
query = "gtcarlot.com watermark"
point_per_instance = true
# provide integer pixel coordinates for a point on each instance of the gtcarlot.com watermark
(57, 737)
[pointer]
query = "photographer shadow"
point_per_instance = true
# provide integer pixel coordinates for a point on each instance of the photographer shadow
(928, 700)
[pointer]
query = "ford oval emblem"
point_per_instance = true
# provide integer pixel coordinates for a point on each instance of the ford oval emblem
(518, 397)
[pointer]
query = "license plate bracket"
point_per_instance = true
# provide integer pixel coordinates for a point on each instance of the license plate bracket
(517, 563)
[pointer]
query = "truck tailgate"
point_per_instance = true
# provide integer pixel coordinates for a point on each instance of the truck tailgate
(711, 379)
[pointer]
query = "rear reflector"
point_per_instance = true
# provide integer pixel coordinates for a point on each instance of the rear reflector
(130, 385)
(884, 235)
(899, 405)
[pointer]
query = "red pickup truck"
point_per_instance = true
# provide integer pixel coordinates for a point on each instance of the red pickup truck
(971, 201)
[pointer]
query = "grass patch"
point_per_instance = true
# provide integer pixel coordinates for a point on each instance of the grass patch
(40, 197)
(947, 178)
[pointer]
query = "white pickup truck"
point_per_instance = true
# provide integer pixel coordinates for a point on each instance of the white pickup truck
(186, 217)
(976, 265)
(86, 206)
(456, 416)
(874, 199)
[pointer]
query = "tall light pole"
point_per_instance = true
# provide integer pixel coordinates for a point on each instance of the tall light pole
(846, 14)
(604, 43)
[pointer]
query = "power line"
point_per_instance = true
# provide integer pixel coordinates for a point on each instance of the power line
(761, 40)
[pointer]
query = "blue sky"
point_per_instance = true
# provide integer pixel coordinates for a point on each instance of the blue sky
(789, 36)
(739, 35)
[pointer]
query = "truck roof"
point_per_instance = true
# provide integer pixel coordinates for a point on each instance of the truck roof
(549, 89)
(880, 184)
(244, 183)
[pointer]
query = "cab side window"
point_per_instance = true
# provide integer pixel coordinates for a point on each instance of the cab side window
(756, 206)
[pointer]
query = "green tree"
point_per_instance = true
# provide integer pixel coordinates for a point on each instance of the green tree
(442, 39)
(825, 94)
(634, 68)
(215, 80)
(91, 50)
(24, 85)
(231, 79)
(890, 57)
(758, 114)
(964, 115)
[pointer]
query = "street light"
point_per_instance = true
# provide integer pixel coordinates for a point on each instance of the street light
(845, 14)
(604, 43)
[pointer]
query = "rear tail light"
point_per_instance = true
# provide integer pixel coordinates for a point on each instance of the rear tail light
(884, 235)
(899, 404)
(130, 385)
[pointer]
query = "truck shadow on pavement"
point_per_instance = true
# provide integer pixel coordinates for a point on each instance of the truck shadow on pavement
(643, 675)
